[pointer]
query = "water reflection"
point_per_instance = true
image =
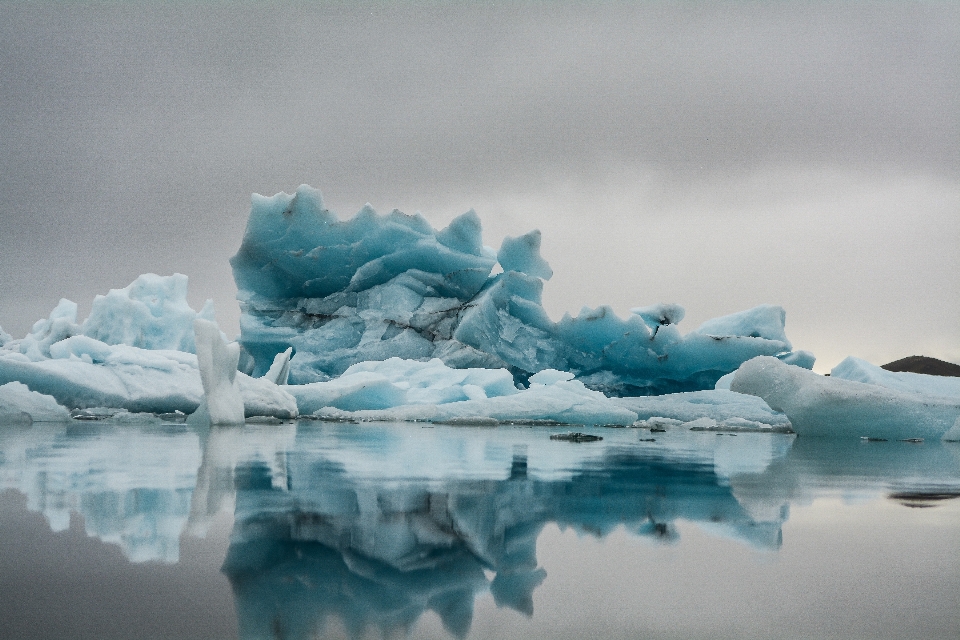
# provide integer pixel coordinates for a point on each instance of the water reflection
(376, 525)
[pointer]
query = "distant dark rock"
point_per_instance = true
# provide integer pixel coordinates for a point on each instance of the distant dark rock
(923, 364)
(575, 437)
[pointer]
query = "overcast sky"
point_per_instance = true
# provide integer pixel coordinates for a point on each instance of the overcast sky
(718, 155)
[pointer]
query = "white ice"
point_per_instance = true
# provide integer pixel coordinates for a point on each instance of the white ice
(217, 361)
(80, 371)
(18, 404)
(397, 389)
(862, 371)
(715, 410)
(826, 406)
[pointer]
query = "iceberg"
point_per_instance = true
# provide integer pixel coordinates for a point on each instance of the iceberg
(143, 363)
(720, 410)
(826, 406)
(398, 389)
(859, 370)
(151, 313)
(380, 286)
(20, 405)
(217, 361)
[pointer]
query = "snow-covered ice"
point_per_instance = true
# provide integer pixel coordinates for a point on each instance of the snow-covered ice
(826, 406)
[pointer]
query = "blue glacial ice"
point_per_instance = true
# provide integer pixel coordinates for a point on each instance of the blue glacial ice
(826, 406)
(375, 287)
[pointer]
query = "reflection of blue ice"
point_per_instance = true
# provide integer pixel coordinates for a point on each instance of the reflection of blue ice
(369, 529)
(376, 525)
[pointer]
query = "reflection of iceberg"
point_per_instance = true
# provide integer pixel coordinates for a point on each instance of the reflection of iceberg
(377, 525)
(131, 484)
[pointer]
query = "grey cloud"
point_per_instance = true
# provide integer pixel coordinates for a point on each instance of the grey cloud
(132, 135)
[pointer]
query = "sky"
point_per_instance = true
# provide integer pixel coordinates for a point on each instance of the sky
(717, 155)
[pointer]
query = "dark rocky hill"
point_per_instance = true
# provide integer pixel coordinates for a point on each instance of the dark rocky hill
(923, 364)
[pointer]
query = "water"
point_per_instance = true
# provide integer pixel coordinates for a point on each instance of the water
(307, 529)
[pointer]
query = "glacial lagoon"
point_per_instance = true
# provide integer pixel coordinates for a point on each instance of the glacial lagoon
(308, 529)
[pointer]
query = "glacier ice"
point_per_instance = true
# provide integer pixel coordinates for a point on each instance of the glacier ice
(279, 371)
(18, 404)
(145, 362)
(375, 287)
(727, 411)
(217, 362)
(825, 406)
(859, 370)
(150, 313)
(397, 389)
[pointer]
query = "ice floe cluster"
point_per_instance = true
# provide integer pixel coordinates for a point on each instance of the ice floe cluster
(383, 317)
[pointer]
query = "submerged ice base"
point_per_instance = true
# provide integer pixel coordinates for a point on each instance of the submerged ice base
(375, 287)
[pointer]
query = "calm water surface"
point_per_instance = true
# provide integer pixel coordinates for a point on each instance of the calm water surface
(307, 530)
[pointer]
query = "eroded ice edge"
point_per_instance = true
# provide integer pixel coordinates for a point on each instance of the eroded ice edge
(383, 317)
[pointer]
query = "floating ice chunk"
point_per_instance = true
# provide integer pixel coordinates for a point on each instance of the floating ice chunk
(4, 337)
(134, 379)
(150, 313)
(396, 382)
(825, 406)
(350, 392)
(862, 371)
(564, 402)
(217, 362)
(766, 321)
(722, 406)
(129, 378)
(523, 254)
(19, 404)
(280, 369)
(398, 389)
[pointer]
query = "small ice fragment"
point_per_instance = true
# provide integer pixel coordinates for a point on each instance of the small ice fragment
(217, 361)
(280, 369)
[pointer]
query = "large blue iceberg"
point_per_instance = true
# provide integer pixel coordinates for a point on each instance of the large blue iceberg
(375, 287)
